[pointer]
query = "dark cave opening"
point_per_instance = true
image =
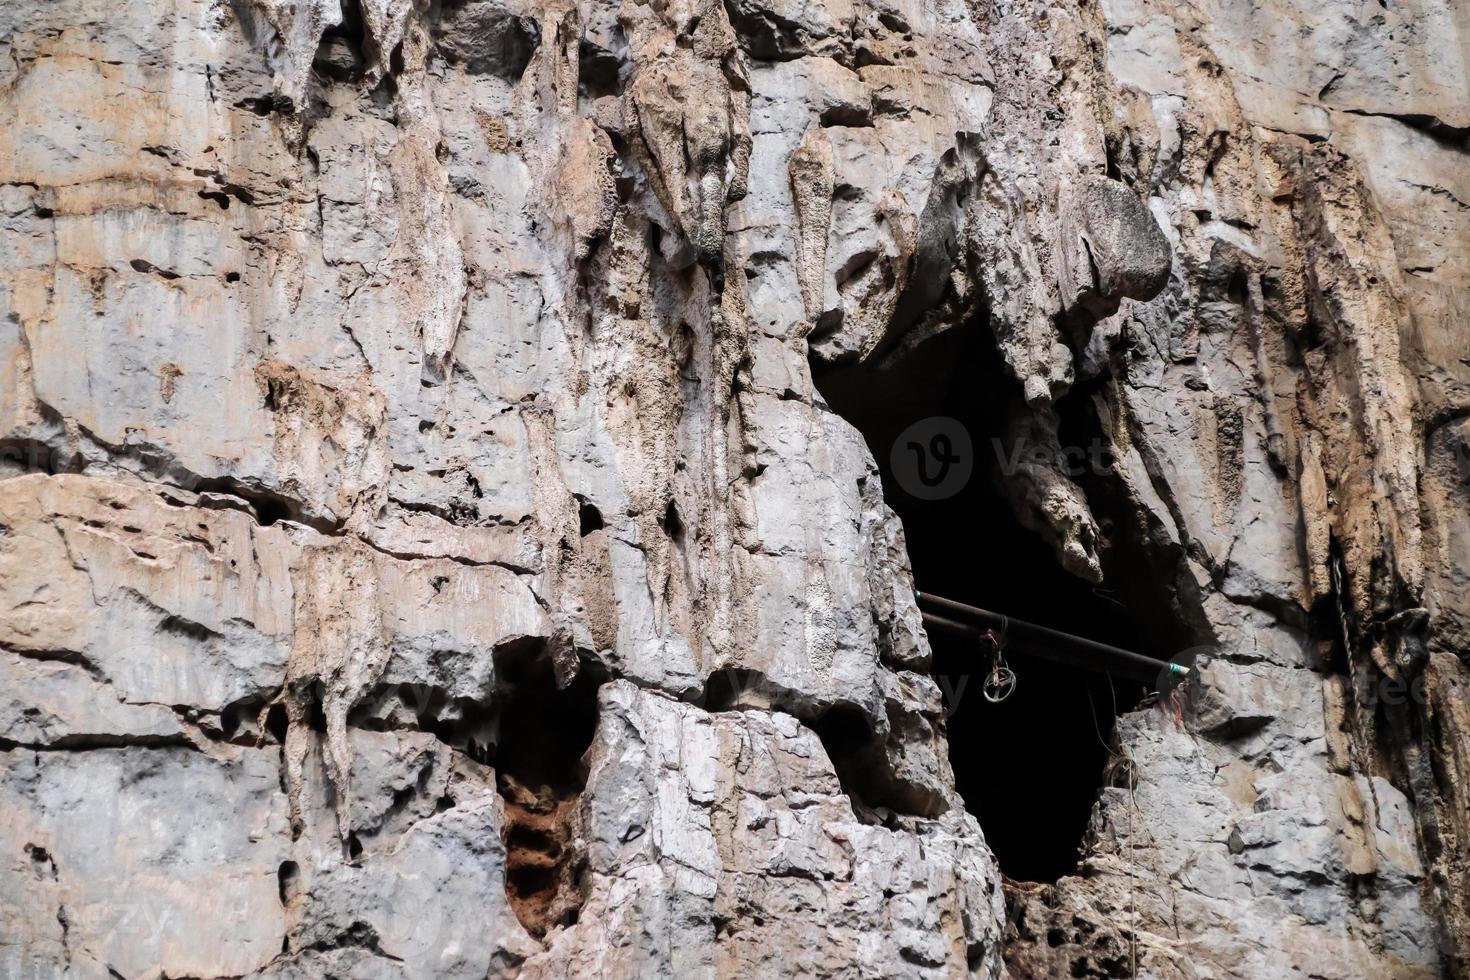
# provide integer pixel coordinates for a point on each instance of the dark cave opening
(543, 729)
(1029, 768)
(532, 729)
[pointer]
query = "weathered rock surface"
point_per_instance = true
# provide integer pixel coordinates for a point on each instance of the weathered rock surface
(424, 551)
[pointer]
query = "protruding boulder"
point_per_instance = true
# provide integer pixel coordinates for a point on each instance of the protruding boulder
(1111, 247)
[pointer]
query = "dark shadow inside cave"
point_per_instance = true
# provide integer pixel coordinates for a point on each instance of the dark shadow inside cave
(533, 731)
(543, 731)
(1030, 768)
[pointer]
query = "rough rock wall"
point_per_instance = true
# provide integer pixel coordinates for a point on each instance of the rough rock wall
(403, 397)
(1284, 417)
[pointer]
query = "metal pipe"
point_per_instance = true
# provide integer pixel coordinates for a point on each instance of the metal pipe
(954, 625)
(1045, 643)
(1147, 673)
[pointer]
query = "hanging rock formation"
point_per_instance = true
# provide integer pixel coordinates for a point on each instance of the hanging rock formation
(425, 553)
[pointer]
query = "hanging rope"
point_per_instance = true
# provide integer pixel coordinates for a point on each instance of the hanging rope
(1128, 856)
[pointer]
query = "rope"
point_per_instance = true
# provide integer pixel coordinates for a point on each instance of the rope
(1096, 728)
(1132, 885)
(1132, 806)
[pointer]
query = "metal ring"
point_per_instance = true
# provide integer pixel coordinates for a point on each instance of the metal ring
(1000, 684)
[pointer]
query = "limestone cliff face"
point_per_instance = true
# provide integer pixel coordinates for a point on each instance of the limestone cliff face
(425, 550)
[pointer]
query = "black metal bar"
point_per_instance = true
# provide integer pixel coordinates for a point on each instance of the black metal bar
(1147, 674)
(1045, 643)
(953, 625)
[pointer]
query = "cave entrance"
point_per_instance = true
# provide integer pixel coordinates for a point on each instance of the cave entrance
(1029, 768)
(543, 728)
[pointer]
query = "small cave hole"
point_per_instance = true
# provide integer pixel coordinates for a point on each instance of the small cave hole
(286, 876)
(865, 772)
(485, 39)
(1030, 768)
(672, 525)
(268, 506)
(268, 511)
(229, 721)
(589, 518)
(143, 265)
(849, 740)
(600, 71)
(732, 688)
(276, 723)
(546, 727)
(338, 56)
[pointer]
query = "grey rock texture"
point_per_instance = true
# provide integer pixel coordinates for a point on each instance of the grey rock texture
(425, 552)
